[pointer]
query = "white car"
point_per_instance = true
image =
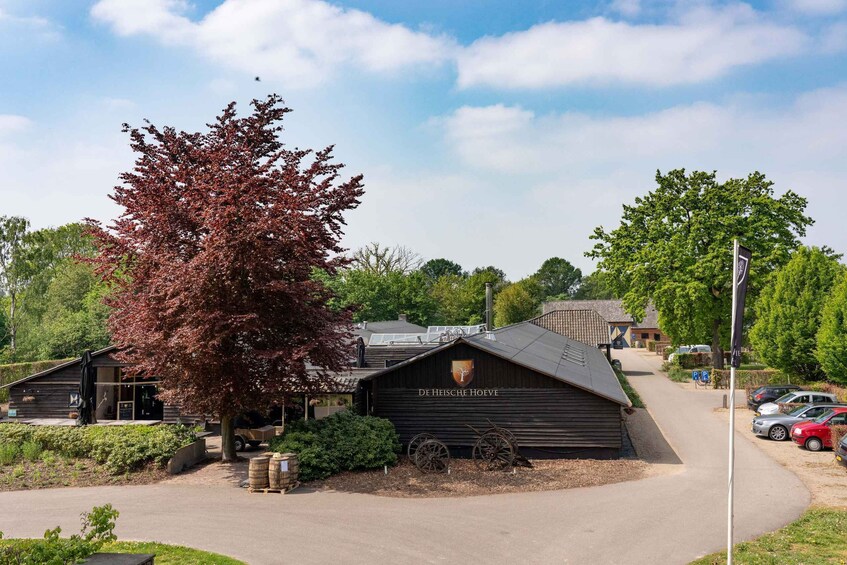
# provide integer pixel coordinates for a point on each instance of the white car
(796, 397)
(690, 349)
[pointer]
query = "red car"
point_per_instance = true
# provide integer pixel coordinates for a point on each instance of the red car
(815, 434)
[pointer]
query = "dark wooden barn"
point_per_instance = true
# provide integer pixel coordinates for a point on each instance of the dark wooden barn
(48, 394)
(560, 397)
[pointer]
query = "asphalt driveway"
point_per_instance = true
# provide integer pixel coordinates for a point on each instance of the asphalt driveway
(671, 518)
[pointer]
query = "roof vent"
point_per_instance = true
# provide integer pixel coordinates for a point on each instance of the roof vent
(491, 336)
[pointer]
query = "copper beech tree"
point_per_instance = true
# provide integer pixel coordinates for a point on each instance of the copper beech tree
(212, 258)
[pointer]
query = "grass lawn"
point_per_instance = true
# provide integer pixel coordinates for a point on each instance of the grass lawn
(170, 554)
(165, 554)
(818, 537)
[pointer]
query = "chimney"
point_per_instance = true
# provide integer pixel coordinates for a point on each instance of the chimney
(365, 325)
(401, 318)
(489, 311)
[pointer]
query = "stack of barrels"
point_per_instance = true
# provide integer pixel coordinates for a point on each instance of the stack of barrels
(279, 472)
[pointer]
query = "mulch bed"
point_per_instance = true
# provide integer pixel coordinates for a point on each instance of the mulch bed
(28, 475)
(405, 481)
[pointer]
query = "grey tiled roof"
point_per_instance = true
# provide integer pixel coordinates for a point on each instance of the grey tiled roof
(545, 352)
(611, 310)
(387, 327)
(586, 326)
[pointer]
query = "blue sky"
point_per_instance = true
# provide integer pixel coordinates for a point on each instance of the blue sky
(489, 132)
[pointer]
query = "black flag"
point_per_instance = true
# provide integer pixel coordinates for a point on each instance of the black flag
(740, 292)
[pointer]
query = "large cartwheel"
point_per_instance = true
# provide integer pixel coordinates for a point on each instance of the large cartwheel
(494, 451)
(432, 456)
(415, 442)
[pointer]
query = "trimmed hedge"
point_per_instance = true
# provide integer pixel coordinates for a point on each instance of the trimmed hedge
(344, 441)
(692, 360)
(15, 371)
(749, 380)
(119, 448)
(838, 432)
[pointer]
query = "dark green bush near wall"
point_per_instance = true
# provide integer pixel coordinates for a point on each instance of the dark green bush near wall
(344, 441)
(16, 371)
(119, 448)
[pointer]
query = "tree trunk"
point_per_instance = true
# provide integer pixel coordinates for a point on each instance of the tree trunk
(228, 452)
(13, 330)
(717, 352)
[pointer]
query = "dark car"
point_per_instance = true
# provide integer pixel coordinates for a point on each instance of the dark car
(768, 393)
(841, 452)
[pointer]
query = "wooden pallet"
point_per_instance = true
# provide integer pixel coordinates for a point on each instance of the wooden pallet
(274, 490)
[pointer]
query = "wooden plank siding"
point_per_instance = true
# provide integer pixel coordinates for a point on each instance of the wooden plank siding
(50, 394)
(541, 411)
(377, 355)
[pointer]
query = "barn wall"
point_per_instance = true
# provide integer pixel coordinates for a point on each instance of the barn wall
(50, 394)
(541, 411)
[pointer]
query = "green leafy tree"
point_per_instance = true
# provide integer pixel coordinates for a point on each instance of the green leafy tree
(558, 278)
(831, 349)
(374, 296)
(596, 286)
(473, 292)
(448, 292)
(673, 247)
(434, 269)
(77, 317)
(14, 272)
(517, 302)
(788, 312)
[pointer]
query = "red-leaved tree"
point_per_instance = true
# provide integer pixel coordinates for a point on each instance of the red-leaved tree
(212, 263)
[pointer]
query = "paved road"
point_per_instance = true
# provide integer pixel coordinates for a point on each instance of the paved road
(664, 519)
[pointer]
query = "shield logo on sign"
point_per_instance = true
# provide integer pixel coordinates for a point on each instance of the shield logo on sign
(463, 372)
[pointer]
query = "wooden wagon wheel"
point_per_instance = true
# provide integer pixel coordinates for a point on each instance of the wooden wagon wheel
(416, 442)
(494, 452)
(503, 432)
(432, 456)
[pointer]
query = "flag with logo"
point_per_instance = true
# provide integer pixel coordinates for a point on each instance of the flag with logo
(742, 269)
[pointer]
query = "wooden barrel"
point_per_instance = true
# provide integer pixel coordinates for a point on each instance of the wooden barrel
(273, 471)
(289, 477)
(258, 473)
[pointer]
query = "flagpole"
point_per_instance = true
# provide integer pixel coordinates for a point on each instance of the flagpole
(729, 514)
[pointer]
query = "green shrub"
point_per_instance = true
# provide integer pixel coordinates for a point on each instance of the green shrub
(31, 450)
(8, 453)
(97, 528)
(119, 448)
(15, 433)
(341, 442)
(634, 397)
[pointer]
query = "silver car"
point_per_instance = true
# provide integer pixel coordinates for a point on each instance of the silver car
(776, 426)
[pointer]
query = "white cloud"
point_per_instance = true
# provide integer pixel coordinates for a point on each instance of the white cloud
(510, 138)
(34, 26)
(833, 39)
(10, 123)
(700, 44)
(627, 8)
(298, 41)
(818, 7)
(568, 173)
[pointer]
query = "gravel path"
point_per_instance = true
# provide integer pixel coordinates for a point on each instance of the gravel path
(669, 519)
